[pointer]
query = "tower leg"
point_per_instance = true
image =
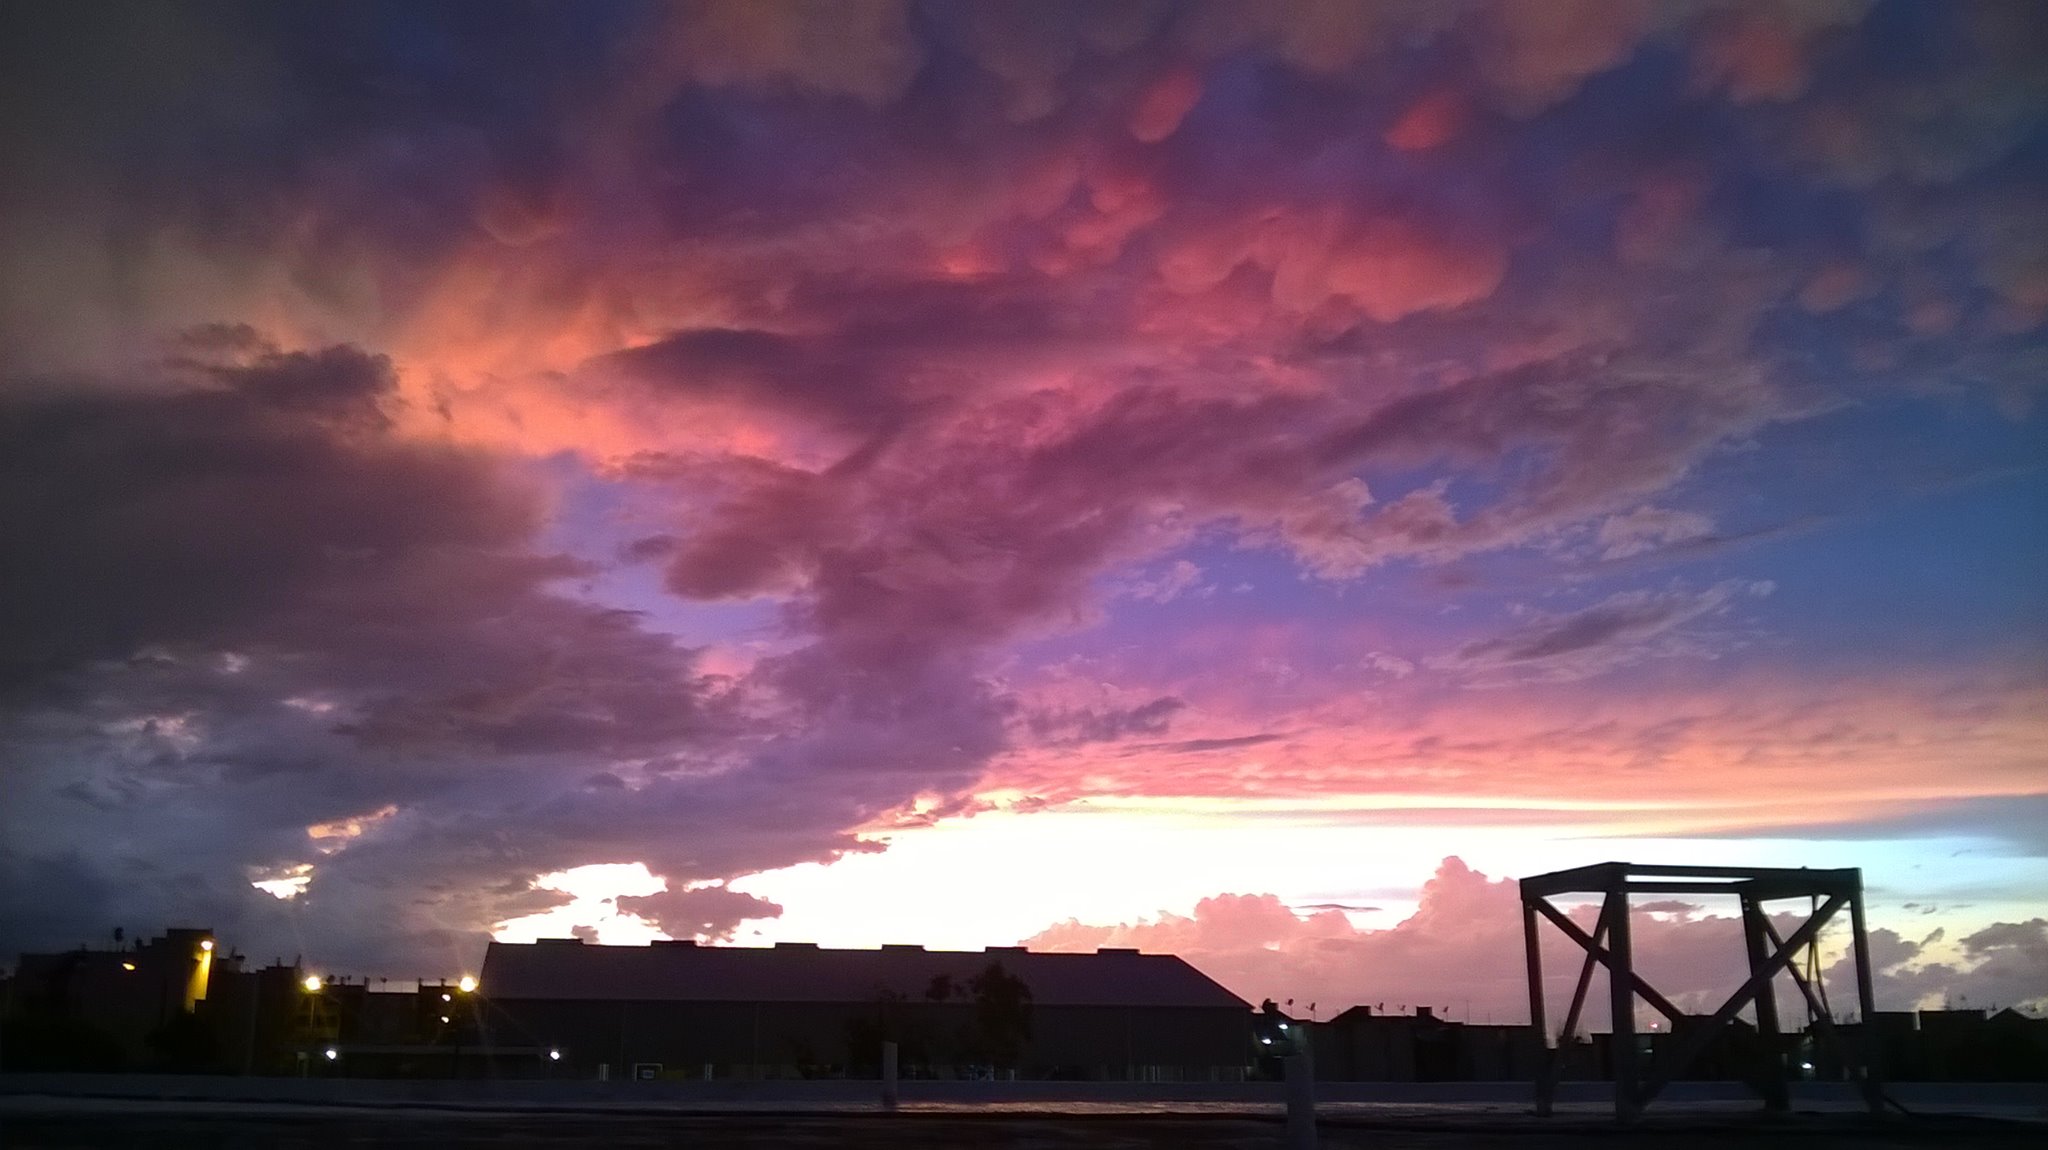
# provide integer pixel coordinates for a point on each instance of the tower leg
(1770, 1067)
(1545, 1057)
(1622, 1002)
(1866, 1003)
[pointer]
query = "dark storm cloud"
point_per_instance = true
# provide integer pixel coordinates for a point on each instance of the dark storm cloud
(243, 607)
(211, 513)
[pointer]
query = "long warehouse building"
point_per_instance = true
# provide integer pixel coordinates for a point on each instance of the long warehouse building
(680, 1010)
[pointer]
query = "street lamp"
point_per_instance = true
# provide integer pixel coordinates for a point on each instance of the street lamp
(312, 984)
(466, 984)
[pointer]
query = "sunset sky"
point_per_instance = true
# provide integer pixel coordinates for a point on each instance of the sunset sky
(1247, 480)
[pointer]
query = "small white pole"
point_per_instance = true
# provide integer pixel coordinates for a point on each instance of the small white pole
(1301, 1103)
(888, 1076)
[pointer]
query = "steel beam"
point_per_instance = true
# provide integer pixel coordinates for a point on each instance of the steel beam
(1689, 1047)
(1819, 1011)
(1771, 1081)
(1553, 1060)
(1574, 932)
(1547, 1057)
(1578, 880)
(1622, 1005)
(1768, 954)
(1873, 1051)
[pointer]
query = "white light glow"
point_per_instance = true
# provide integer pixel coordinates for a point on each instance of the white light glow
(593, 891)
(283, 883)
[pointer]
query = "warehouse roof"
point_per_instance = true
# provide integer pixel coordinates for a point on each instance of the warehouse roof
(558, 969)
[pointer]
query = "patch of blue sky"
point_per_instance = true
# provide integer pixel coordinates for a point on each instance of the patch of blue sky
(1940, 869)
(596, 518)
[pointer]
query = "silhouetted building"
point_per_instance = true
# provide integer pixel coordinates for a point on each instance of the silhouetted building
(1956, 1046)
(130, 1006)
(676, 1009)
(1362, 1046)
(1899, 1057)
(282, 1021)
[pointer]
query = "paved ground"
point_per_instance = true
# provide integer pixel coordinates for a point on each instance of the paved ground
(36, 1124)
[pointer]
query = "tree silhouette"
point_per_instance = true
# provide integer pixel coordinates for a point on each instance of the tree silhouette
(1002, 1014)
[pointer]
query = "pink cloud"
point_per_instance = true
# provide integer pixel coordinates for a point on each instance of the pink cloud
(1165, 104)
(707, 912)
(1679, 759)
(1431, 122)
(1461, 953)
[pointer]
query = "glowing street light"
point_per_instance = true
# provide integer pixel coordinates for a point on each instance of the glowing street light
(331, 1053)
(206, 944)
(466, 984)
(127, 966)
(447, 998)
(554, 1056)
(312, 984)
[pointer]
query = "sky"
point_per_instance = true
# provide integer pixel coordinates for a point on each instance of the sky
(1242, 480)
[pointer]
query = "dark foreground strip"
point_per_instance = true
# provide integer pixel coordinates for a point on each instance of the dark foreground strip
(418, 1130)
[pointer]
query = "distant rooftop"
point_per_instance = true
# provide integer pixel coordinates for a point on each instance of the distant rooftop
(561, 969)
